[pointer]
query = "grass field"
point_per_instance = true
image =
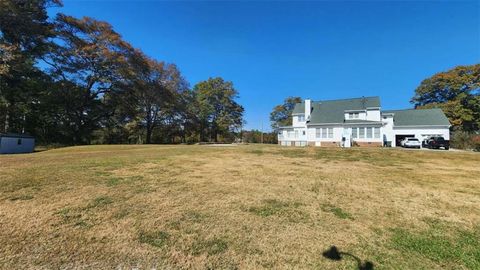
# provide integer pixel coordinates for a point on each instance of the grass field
(246, 207)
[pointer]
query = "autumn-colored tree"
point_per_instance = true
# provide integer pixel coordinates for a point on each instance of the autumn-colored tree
(76, 81)
(88, 59)
(456, 92)
(150, 92)
(282, 114)
(25, 35)
(219, 113)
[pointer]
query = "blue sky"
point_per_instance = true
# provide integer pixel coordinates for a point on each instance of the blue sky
(318, 50)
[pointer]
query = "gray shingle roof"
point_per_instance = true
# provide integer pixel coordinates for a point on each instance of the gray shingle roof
(412, 117)
(332, 111)
(299, 108)
(359, 121)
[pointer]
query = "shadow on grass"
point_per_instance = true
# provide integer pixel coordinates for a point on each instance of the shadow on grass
(335, 255)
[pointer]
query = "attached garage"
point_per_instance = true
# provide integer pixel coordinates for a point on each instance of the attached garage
(420, 124)
(399, 138)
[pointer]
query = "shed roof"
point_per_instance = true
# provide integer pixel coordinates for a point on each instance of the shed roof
(15, 135)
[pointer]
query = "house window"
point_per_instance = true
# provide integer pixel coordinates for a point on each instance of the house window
(290, 134)
(318, 133)
(19, 142)
(354, 132)
(303, 132)
(324, 132)
(353, 115)
(361, 132)
(369, 132)
(301, 118)
(296, 134)
(376, 133)
(330, 133)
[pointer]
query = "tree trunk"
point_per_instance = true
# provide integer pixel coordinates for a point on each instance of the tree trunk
(149, 135)
(6, 125)
(202, 132)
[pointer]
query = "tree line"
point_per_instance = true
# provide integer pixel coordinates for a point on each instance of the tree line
(74, 80)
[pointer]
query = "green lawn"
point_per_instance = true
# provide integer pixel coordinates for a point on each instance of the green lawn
(244, 207)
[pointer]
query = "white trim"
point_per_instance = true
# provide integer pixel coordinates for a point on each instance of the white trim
(360, 110)
(395, 126)
(324, 124)
(364, 123)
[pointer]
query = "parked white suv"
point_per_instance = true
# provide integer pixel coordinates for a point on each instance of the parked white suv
(411, 143)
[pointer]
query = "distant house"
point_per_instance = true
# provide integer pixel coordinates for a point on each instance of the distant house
(359, 121)
(11, 143)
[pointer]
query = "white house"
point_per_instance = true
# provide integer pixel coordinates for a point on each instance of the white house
(359, 121)
(11, 143)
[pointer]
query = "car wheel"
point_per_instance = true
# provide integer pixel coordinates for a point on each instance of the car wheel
(446, 148)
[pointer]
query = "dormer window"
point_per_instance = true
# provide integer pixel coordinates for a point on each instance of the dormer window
(353, 116)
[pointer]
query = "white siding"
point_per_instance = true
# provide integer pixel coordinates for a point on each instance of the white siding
(373, 115)
(337, 134)
(421, 132)
(361, 115)
(294, 134)
(296, 123)
(365, 131)
(388, 134)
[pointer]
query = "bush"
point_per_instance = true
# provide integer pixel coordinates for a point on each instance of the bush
(462, 140)
(476, 142)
